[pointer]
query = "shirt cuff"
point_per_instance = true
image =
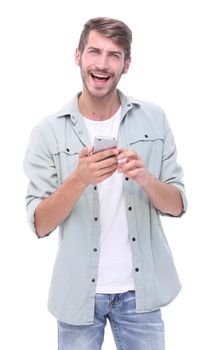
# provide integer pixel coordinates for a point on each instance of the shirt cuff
(184, 201)
(31, 214)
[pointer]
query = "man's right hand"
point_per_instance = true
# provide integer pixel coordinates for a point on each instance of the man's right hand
(97, 167)
(91, 169)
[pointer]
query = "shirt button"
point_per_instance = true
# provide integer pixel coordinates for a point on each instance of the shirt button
(74, 120)
(67, 149)
(133, 239)
(130, 208)
(127, 178)
(95, 188)
(95, 249)
(137, 269)
(93, 280)
(146, 136)
(96, 219)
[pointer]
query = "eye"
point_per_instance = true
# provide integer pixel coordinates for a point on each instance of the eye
(93, 51)
(115, 55)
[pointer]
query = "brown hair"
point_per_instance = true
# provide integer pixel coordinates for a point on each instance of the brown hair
(114, 29)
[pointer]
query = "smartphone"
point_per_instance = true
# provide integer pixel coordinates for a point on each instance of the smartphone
(104, 142)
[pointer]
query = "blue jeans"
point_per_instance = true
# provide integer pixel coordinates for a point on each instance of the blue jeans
(131, 330)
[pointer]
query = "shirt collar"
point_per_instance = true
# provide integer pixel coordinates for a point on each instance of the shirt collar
(71, 108)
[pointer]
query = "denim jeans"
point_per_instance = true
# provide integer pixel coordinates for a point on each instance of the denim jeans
(131, 330)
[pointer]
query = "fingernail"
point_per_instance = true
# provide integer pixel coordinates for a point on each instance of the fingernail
(122, 160)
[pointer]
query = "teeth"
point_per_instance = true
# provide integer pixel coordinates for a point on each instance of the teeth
(101, 76)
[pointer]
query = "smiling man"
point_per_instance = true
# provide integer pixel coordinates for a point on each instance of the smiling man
(102, 63)
(113, 259)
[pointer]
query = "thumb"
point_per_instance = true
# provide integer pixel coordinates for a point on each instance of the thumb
(85, 152)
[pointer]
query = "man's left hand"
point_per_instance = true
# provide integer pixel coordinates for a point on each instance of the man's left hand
(132, 165)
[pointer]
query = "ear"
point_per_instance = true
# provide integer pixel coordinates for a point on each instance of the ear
(126, 66)
(77, 57)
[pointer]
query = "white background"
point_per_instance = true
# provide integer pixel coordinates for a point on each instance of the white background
(171, 62)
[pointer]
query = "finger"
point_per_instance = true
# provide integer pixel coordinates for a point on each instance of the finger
(106, 163)
(130, 165)
(105, 176)
(105, 154)
(127, 154)
(133, 173)
(106, 170)
(85, 152)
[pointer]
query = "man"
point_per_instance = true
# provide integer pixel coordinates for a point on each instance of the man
(113, 259)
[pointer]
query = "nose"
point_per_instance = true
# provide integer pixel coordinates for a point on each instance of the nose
(102, 62)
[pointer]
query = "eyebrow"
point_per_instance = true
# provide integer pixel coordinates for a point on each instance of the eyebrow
(93, 48)
(110, 52)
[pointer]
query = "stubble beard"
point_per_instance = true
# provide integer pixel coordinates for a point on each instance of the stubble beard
(98, 92)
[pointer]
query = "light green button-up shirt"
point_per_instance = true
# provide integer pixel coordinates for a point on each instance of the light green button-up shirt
(52, 155)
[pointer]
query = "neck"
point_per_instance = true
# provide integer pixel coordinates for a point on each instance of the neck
(98, 108)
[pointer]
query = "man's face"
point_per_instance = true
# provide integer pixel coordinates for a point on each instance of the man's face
(102, 64)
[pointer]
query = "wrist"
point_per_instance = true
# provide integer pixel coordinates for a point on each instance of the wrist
(145, 181)
(75, 181)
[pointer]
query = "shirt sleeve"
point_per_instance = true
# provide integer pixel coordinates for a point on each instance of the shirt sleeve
(171, 171)
(40, 169)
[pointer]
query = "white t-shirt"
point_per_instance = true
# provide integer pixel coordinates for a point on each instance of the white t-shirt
(115, 263)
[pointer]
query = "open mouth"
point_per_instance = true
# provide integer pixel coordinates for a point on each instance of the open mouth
(100, 77)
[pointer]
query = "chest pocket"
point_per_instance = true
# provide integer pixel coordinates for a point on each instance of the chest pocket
(66, 159)
(150, 149)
